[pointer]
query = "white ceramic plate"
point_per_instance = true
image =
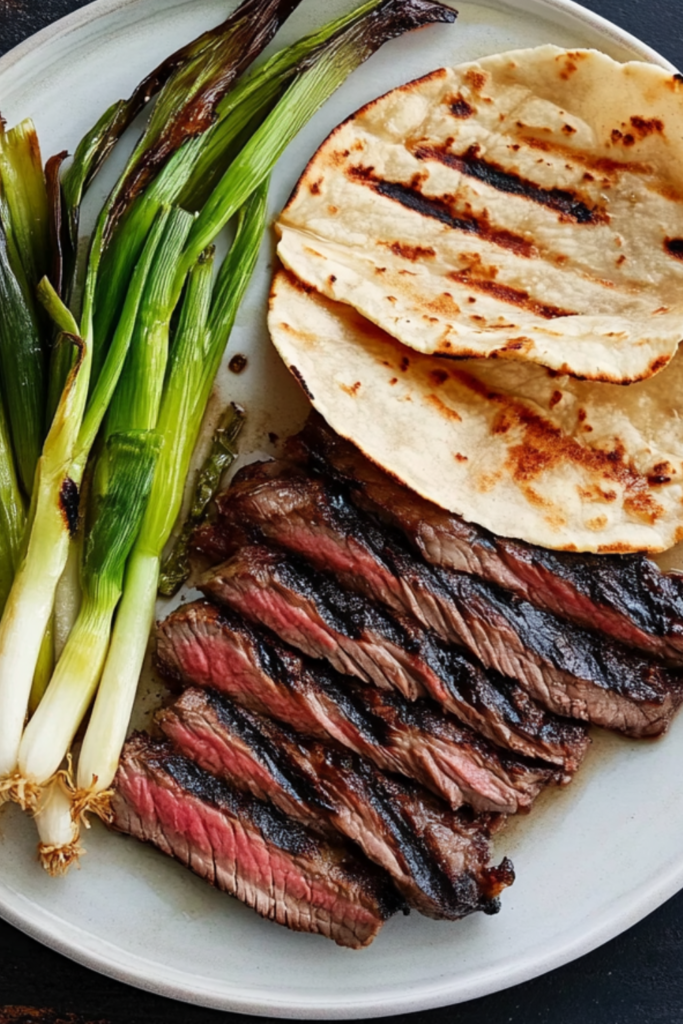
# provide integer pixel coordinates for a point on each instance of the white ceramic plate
(591, 861)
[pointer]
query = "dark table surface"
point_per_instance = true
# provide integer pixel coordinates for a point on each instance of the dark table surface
(635, 979)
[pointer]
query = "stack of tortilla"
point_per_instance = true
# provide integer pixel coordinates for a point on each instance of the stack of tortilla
(483, 289)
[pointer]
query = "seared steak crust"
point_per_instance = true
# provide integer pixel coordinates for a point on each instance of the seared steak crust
(248, 848)
(625, 596)
(198, 644)
(437, 858)
(567, 668)
(310, 611)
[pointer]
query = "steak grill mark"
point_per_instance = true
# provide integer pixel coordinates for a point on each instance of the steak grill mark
(199, 645)
(437, 858)
(248, 849)
(567, 668)
(625, 596)
(313, 518)
(310, 611)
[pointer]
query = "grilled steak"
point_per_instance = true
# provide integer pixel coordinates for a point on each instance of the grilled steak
(437, 857)
(625, 596)
(567, 668)
(247, 848)
(198, 644)
(310, 611)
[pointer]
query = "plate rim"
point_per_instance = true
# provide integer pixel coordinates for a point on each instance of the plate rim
(130, 969)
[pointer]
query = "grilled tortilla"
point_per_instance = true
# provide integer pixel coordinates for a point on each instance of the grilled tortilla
(527, 206)
(556, 461)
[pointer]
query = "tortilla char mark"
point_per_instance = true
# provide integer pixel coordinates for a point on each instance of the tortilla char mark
(674, 246)
(514, 296)
(441, 209)
(569, 205)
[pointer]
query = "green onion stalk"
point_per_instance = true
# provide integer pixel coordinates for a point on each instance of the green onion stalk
(134, 407)
(203, 331)
(58, 847)
(29, 605)
(190, 174)
(223, 452)
(137, 398)
(12, 513)
(244, 185)
(25, 200)
(77, 418)
(22, 370)
(54, 513)
(49, 733)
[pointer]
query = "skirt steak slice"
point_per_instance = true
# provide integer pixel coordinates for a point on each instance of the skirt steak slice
(438, 858)
(198, 644)
(247, 848)
(625, 596)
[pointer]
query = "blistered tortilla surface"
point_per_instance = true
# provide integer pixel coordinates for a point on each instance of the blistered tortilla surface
(527, 206)
(528, 453)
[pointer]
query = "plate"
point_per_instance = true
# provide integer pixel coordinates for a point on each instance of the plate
(591, 860)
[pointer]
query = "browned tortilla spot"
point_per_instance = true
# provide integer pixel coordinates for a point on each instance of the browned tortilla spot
(445, 410)
(460, 108)
(410, 252)
(647, 126)
(475, 79)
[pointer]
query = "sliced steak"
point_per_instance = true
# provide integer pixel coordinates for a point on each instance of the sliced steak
(624, 596)
(198, 644)
(438, 858)
(247, 848)
(309, 610)
(569, 669)
(273, 502)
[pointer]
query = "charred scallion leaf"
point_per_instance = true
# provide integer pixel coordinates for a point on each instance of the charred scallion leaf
(22, 371)
(23, 185)
(328, 67)
(196, 66)
(186, 105)
(250, 100)
(223, 452)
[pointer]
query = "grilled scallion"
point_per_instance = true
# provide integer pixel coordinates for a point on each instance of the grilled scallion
(223, 452)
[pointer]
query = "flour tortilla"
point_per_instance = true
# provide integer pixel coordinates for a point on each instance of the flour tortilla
(559, 462)
(527, 206)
